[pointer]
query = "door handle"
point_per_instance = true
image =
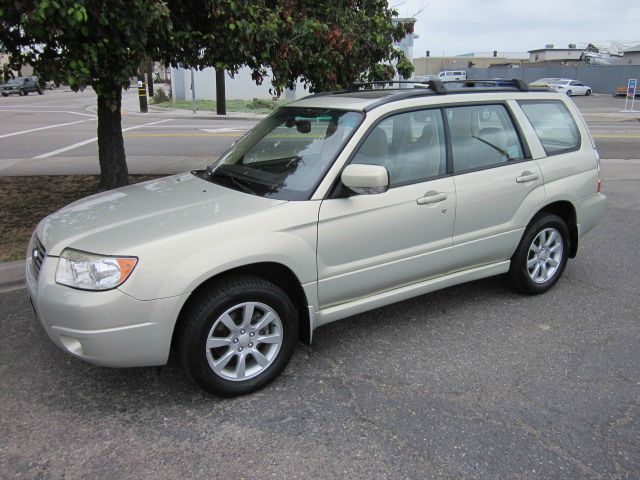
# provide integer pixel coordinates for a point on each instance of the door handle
(431, 197)
(527, 177)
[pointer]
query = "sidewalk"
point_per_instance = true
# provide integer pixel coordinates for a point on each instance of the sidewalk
(11, 276)
(138, 165)
(131, 107)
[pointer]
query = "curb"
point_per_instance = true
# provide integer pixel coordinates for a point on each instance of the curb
(12, 275)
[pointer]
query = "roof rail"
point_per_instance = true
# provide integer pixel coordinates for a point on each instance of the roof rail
(355, 86)
(514, 82)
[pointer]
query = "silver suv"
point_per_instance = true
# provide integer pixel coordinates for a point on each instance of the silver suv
(333, 205)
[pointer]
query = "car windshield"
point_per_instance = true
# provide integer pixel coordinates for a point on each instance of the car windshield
(287, 154)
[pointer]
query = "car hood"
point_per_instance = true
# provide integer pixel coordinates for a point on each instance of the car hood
(114, 222)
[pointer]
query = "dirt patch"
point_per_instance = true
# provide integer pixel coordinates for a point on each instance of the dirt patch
(27, 200)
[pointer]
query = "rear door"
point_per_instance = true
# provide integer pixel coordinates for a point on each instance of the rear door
(497, 184)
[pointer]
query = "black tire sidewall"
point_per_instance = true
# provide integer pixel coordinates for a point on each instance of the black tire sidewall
(192, 346)
(518, 270)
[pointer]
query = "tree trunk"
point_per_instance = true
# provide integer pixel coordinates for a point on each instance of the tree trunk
(113, 162)
(150, 76)
(221, 101)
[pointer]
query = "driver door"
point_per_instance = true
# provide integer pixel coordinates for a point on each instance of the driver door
(369, 244)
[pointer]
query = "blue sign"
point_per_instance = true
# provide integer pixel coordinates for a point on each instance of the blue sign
(631, 87)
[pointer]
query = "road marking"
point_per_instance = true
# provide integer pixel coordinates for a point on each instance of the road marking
(195, 127)
(217, 130)
(94, 139)
(167, 135)
(3, 109)
(46, 128)
(616, 135)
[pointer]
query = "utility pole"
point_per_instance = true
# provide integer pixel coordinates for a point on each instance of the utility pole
(142, 93)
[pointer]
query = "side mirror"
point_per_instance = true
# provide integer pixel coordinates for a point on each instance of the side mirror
(365, 179)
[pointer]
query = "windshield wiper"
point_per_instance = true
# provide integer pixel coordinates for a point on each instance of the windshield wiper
(238, 182)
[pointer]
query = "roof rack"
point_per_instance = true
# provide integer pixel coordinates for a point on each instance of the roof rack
(440, 87)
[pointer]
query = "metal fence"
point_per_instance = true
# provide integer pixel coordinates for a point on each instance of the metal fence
(601, 78)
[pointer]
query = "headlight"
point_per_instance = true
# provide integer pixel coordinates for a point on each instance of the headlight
(89, 271)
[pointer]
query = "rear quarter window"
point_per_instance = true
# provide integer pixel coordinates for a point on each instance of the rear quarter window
(554, 124)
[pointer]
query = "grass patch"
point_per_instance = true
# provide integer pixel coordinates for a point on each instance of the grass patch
(27, 200)
(257, 105)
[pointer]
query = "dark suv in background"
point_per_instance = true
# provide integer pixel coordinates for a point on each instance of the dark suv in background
(21, 86)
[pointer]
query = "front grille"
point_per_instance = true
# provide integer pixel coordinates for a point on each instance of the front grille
(37, 257)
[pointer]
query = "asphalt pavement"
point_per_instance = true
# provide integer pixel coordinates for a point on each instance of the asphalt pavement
(473, 381)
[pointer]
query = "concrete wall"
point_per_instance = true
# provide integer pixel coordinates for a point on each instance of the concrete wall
(241, 87)
(633, 58)
(556, 54)
(601, 78)
(435, 65)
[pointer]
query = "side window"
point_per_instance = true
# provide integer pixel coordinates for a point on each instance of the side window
(410, 145)
(554, 125)
(482, 136)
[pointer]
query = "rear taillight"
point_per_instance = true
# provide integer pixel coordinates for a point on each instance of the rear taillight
(599, 187)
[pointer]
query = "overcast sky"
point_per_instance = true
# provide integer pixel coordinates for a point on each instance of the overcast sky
(462, 26)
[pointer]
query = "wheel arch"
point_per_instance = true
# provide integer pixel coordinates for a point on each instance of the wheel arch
(276, 273)
(565, 210)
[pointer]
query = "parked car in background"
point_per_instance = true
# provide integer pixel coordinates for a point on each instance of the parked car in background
(452, 75)
(21, 86)
(563, 85)
(335, 204)
(622, 92)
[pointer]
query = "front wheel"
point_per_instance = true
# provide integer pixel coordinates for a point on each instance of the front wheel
(541, 255)
(238, 336)
(40, 92)
(569, 93)
(22, 93)
(588, 92)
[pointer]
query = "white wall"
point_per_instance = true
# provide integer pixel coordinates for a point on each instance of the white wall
(240, 87)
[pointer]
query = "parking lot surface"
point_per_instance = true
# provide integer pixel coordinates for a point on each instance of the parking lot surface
(473, 381)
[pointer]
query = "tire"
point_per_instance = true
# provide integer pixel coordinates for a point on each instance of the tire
(40, 91)
(5, 94)
(551, 231)
(22, 93)
(221, 326)
(588, 92)
(569, 93)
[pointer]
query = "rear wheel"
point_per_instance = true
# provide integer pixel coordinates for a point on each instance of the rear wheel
(40, 92)
(238, 336)
(541, 255)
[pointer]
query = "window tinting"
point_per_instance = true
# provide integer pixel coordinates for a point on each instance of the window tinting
(554, 125)
(410, 145)
(482, 136)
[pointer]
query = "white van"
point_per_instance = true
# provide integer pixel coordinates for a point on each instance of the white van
(452, 75)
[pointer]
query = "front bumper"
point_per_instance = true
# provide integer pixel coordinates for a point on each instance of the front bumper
(107, 328)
